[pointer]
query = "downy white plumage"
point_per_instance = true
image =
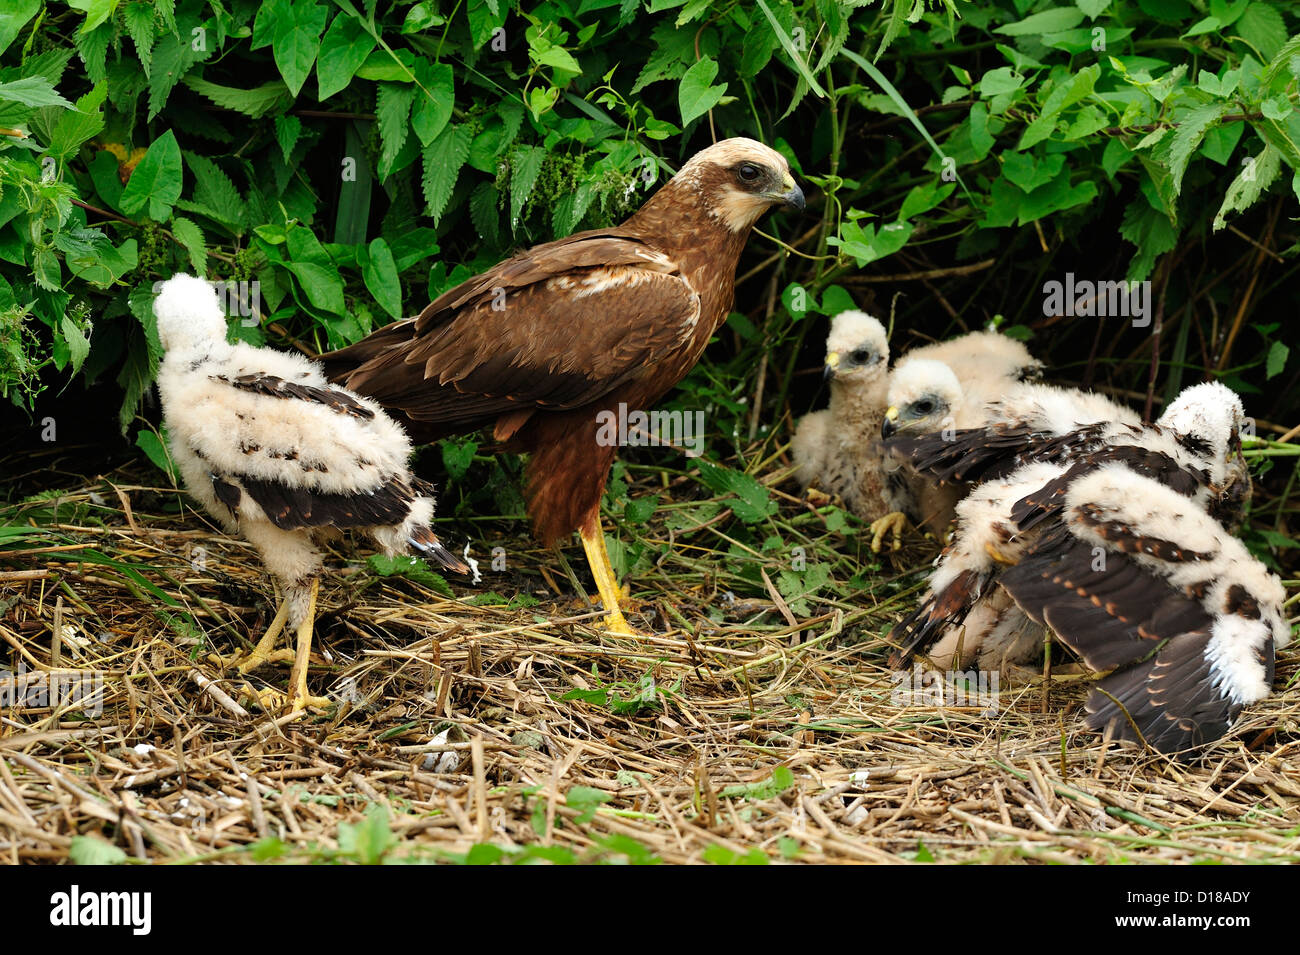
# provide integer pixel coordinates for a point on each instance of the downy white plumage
(1111, 539)
(277, 454)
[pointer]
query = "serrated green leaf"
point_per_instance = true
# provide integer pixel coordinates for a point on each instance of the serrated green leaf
(752, 502)
(412, 568)
(92, 850)
(32, 91)
(393, 107)
(138, 18)
(1262, 26)
(173, 58)
(1256, 175)
(255, 102)
(525, 167)
(190, 236)
(1191, 130)
(288, 129)
(214, 190)
(443, 159)
(795, 56)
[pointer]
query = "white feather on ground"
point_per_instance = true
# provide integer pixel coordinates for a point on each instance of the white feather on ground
(279, 455)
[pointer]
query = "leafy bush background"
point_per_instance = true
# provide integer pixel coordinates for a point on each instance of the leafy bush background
(357, 158)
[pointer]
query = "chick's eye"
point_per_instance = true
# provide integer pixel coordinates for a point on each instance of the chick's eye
(924, 407)
(860, 356)
(748, 172)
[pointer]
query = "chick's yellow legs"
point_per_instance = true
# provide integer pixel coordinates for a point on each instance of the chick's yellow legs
(893, 522)
(298, 698)
(593, 542)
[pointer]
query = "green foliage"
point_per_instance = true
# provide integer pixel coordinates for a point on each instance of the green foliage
(354, 160)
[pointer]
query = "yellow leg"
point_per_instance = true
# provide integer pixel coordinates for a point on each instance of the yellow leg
(593, 542)
(997, 555)
(895, 522)
(263, 652)
(299, 699)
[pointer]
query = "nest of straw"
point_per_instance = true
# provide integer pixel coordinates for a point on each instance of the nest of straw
(492, 726)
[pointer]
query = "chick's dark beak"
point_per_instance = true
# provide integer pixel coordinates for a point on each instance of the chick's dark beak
(828, 372)
(890, 425)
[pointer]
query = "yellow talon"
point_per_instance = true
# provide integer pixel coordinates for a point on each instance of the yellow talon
(895, 522)
(593, 542)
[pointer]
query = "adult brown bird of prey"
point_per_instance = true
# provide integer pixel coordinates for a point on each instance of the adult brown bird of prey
(277, 454)
(1108, 537)
(550, 343)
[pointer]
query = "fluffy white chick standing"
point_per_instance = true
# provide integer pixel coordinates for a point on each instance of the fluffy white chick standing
(280, 456)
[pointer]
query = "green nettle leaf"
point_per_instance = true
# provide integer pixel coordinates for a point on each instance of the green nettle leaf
(173, 57)
(297, 39)
(79, 345)
(255, 102)
(1151, 231)
(156, 182)
(138, 18)
(216, 193)
(77, 126)
(1191, 130)
(1277, 356)
(393, 107)
(1092, 8)
(32, 91)
(695, 94)
(190, 236)
(1287, 59)
(412, 568)
(342, 51)
(92, 850)
(485, 216)
(526, 165)
(288, 130)
(1262, 26)
(752, 502)
(1257, 174)
(443, 159)
(380, 274)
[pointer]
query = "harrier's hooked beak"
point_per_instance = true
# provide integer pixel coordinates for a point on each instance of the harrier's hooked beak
(793, 195)
(832, 364)
(890, 424)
